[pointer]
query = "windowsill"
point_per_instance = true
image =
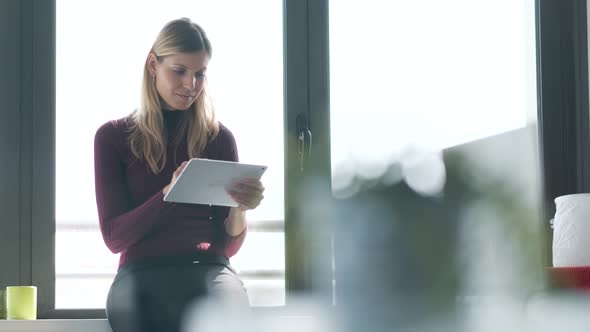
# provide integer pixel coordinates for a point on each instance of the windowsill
(301, 315)
(55, 325)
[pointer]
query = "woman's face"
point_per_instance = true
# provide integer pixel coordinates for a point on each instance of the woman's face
(179, 78)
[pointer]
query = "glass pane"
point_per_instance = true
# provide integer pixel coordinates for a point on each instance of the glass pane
(261, 292)
(99, 69)
(82, 292)
(92, 264)
(426, 74)
(440, 95)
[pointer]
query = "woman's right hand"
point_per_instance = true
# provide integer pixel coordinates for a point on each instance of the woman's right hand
(175, 176)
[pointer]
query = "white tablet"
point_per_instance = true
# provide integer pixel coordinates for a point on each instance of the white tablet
(203, 181)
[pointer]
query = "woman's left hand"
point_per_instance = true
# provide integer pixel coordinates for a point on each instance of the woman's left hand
(247, 192)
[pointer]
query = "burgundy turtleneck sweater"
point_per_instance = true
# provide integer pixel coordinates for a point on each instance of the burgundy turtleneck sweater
(134, 219)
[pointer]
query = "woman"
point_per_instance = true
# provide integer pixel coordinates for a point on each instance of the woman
(171, 254)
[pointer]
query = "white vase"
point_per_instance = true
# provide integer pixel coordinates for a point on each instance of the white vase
(571, 231)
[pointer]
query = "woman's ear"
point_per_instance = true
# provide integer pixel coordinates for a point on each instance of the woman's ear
(152, 63)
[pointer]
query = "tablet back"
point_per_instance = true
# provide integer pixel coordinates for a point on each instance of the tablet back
(203, 181)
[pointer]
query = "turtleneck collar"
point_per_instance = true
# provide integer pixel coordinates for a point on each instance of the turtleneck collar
(166, 112)
(172, 118)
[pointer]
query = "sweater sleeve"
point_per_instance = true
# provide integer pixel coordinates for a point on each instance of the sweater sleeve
(121, 225)
(228, 151)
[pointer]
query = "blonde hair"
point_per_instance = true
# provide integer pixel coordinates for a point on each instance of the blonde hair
(148, 139)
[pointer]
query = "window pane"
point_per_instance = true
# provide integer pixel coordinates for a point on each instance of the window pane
(99, 67)
(261, 292)
(429, 74)
(264, 278)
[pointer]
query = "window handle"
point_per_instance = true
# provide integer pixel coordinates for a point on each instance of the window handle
(304, 141)
(305, 136)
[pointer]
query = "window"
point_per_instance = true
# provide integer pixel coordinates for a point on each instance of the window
(27, 78)
(98, 79)
(426, 74)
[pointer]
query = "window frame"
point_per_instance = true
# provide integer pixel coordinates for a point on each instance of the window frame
(563, 105)
(28, 84)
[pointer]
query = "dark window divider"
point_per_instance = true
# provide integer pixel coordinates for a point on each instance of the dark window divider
(562, 85)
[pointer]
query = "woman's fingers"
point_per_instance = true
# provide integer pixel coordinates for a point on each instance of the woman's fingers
(246, 203)
(248, 193)
(175, 176)
(179, 169)
(247, 185)
(248, 197)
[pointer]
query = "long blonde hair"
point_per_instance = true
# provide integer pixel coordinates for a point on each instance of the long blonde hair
(148, 139)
